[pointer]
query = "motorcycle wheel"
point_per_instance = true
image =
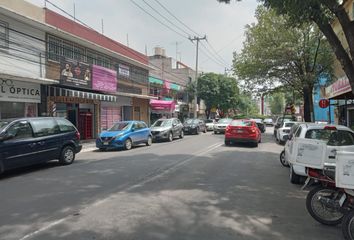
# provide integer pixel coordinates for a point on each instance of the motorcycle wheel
(348, 226)
(321, 213)
(282, 159)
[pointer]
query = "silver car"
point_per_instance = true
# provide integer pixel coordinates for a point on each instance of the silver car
(167, 129)
(221, 125)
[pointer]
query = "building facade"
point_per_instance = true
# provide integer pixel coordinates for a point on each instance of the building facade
(69, 70)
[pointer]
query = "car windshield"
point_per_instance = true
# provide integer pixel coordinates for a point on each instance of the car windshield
(288, 124)
(241, 123)
(163, 123)
(120, 126)
(3, 124)
(192, 121)
(209, 121)
(225, 120)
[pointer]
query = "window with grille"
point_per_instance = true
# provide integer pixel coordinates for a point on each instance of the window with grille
(4, 35)
(58, 48)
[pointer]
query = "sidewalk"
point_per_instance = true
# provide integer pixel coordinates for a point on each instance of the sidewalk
(88, 145)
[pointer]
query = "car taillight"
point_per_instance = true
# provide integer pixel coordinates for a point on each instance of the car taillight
(313, 173)
(253, 130)
(228, 128)
(77, 135)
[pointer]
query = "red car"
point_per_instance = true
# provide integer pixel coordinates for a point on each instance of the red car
(242, 130)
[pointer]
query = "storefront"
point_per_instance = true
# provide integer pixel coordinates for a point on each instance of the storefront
(19, 98)
(161, 109)
(112, 112)
(341, 96)
(83, 109)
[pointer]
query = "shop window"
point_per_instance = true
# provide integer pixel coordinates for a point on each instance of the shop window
(11, 110)
(44, 127)
(4, 35)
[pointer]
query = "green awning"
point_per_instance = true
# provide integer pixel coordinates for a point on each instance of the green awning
(155, 80)
(175, 87)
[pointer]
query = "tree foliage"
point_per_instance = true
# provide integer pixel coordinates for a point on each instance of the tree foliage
(218, 91)
(325, 14)
(276, 53)
(277, 103)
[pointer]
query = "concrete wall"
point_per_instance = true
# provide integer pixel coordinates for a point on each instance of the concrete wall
(24, 8)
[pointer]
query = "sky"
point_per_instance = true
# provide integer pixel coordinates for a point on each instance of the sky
(127, 22)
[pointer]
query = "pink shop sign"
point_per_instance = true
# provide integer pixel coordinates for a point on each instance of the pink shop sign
(104, 79)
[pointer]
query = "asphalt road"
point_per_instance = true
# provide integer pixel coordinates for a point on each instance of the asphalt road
(192, 188)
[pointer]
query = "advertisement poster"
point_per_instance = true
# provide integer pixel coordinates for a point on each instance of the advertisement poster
(104, 79)
(123, 70)
(18, 91)
(75, 74)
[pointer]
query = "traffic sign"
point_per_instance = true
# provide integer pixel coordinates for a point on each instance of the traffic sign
(323, 103)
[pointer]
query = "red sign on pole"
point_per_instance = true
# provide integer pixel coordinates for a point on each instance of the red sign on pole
(323, 103)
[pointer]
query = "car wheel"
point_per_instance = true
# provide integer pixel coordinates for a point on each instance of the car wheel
(1, 167)
(181, 134)
(102, 149)
(67, 155)
(227, 142)
(149, 141)
(128, 144)
(294, 178)
(215, 132)
(255, 144)
(170, 137)
(282, 159)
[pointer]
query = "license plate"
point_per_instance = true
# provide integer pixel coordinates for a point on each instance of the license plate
(239, 131)
(106, 143)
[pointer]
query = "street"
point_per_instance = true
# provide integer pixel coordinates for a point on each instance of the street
(191, 188)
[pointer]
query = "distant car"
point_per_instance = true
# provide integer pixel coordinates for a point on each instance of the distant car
(125, 135)
(221, 125)
(210, 124)
(268, 122)
(284, 130)
(243, 130)
(167, 129)
(260, 124)
(279, 122)
(194, 126)
(337, 138)
(29, 141)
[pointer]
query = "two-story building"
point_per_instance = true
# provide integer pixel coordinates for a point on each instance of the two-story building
(73, 70)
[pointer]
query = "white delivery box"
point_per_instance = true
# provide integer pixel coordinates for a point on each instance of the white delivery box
(345, 170)
(309, 153)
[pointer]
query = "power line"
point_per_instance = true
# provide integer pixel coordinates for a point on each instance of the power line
(176, 18)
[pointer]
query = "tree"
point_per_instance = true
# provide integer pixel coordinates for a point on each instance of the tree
(322, 13)
(275, 53)
(217, 90)
(277, 103)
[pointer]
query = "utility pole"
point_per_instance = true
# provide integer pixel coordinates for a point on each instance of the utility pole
(196, 72)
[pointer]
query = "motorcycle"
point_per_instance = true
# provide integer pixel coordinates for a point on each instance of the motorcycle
(327, 203)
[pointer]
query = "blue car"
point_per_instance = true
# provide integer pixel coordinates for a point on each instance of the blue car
(124, 135)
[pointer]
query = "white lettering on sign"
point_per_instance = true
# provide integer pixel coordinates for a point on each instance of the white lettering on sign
(17, 91)
(123, 70)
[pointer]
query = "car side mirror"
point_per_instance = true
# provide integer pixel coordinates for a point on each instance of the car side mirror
(133, 129)
(174, 125)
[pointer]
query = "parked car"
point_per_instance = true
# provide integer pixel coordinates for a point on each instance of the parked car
(243, 130)
(210, 124)
(29, 141)
(194, 126)
(336, 137)
(268, 122)
(125, 135)
(221, 125)
(283, 131)
(260, 124)
(279, 122)
(167, 129)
